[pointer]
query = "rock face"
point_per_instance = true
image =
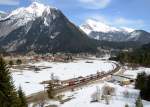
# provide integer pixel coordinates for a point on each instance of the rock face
(139, 36)
(2, 14)
(41, 28)
(100, 31)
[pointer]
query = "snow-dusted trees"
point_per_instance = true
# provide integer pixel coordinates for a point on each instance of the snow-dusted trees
(41, 103)
(104, 94)
(129, 94)
(54, 77)
(51, 90)
(96, 95)
(138, 102)
(107, 92)
(126, 94)
(51, 86)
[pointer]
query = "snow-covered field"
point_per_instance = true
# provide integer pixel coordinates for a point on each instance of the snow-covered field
(82, 97)
(29, 80)
(133, 73)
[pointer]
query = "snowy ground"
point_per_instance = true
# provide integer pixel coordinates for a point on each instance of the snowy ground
(29, 80)
(82, 97)
(133, 73)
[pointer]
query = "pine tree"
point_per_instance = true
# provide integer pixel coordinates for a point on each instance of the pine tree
(139, 102)
(8, 94)
(140, 81)
(21, 95)
(126, 105)
(51, 91)
(18, 62)
(11, 63)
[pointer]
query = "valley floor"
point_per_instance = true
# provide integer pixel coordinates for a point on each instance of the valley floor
(30, 82)
(83, 97)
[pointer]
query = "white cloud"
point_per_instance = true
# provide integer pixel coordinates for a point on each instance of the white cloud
(9, 2)
(35, 0)
(128, 29)
(95, 4)
(124, 21)
(119, 22)
(100, 18)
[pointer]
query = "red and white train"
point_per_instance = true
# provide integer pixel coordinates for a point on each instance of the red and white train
(80, 80)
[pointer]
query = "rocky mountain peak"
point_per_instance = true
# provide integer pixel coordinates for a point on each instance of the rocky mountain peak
(97, 26)
(34, 10)
(42, 28)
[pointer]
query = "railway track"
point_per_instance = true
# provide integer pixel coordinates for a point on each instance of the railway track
(43, 94)
(88, 82)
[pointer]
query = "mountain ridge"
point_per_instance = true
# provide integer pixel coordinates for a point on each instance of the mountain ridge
(103, 32)
(46, 30)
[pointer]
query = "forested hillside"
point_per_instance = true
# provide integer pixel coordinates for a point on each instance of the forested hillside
(140, 56)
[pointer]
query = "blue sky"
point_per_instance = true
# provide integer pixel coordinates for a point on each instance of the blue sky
(119, 13)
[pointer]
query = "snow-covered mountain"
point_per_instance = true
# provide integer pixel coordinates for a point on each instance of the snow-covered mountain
(22, 16)
(139, 36)
(41, 28)
(2, 14)
(93, 25)
(101, 31)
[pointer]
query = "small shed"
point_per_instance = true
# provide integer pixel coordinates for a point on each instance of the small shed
(124, 80)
